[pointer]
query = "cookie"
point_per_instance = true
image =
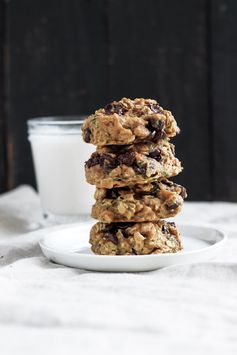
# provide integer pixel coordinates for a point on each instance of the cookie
(135, 238)
(129, 121)
(117, 166)
(139, 203)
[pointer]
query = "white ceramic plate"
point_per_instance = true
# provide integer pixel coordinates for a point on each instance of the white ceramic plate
(68, 245)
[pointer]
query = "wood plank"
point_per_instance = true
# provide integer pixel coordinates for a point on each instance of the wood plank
(159, 51)
(224, 75)
(2, 101)
(57, 65)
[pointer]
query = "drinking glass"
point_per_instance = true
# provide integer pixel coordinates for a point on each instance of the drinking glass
(59, 154)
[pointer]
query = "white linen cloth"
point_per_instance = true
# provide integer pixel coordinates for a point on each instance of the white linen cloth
(50, 309)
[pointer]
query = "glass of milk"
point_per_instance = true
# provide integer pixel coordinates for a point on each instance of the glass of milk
(59, 154)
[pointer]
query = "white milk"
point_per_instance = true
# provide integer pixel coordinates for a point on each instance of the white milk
(59, 165)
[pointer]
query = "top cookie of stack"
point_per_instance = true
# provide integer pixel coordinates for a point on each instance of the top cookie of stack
(129, 121)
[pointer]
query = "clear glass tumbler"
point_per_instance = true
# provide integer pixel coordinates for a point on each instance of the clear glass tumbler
(59, 154)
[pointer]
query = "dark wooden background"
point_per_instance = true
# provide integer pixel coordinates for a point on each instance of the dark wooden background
(72, 56)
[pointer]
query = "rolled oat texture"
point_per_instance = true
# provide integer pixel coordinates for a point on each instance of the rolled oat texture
(135, 238)
(114, 166)
(128, 122)
(139, 203)
(130, 169)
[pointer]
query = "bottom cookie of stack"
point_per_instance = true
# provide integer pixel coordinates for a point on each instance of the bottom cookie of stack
(135, 238)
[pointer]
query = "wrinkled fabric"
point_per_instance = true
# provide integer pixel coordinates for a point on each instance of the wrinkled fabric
(51, 309)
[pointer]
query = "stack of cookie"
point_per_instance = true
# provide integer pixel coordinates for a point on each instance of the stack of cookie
(130, 167)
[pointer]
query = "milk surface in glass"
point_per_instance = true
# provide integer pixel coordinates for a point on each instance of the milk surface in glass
(59, 154)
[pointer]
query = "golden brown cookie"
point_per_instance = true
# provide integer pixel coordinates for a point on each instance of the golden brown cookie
(129, 121)
(139, 203)
(117, 166)
(135, 238)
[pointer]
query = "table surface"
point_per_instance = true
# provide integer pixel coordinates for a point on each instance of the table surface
(44, 307)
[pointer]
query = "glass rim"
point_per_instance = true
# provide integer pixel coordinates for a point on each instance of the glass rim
(56, 125)
(56, 120)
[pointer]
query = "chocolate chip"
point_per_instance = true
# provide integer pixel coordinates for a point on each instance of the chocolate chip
(108, 162)
(119, 109)
(112, 193)
(108, 109)
(155, 154)
(154, 123)
(155, 108)
(112, 228)
(139, 169)
(87, 135)
(125, 225)
(167, 183)
(159, 125)
(94, 160)
(127, 158)
(111, 237)
(157, 130)
(165, 229)
(172, 206)
(114, 108)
